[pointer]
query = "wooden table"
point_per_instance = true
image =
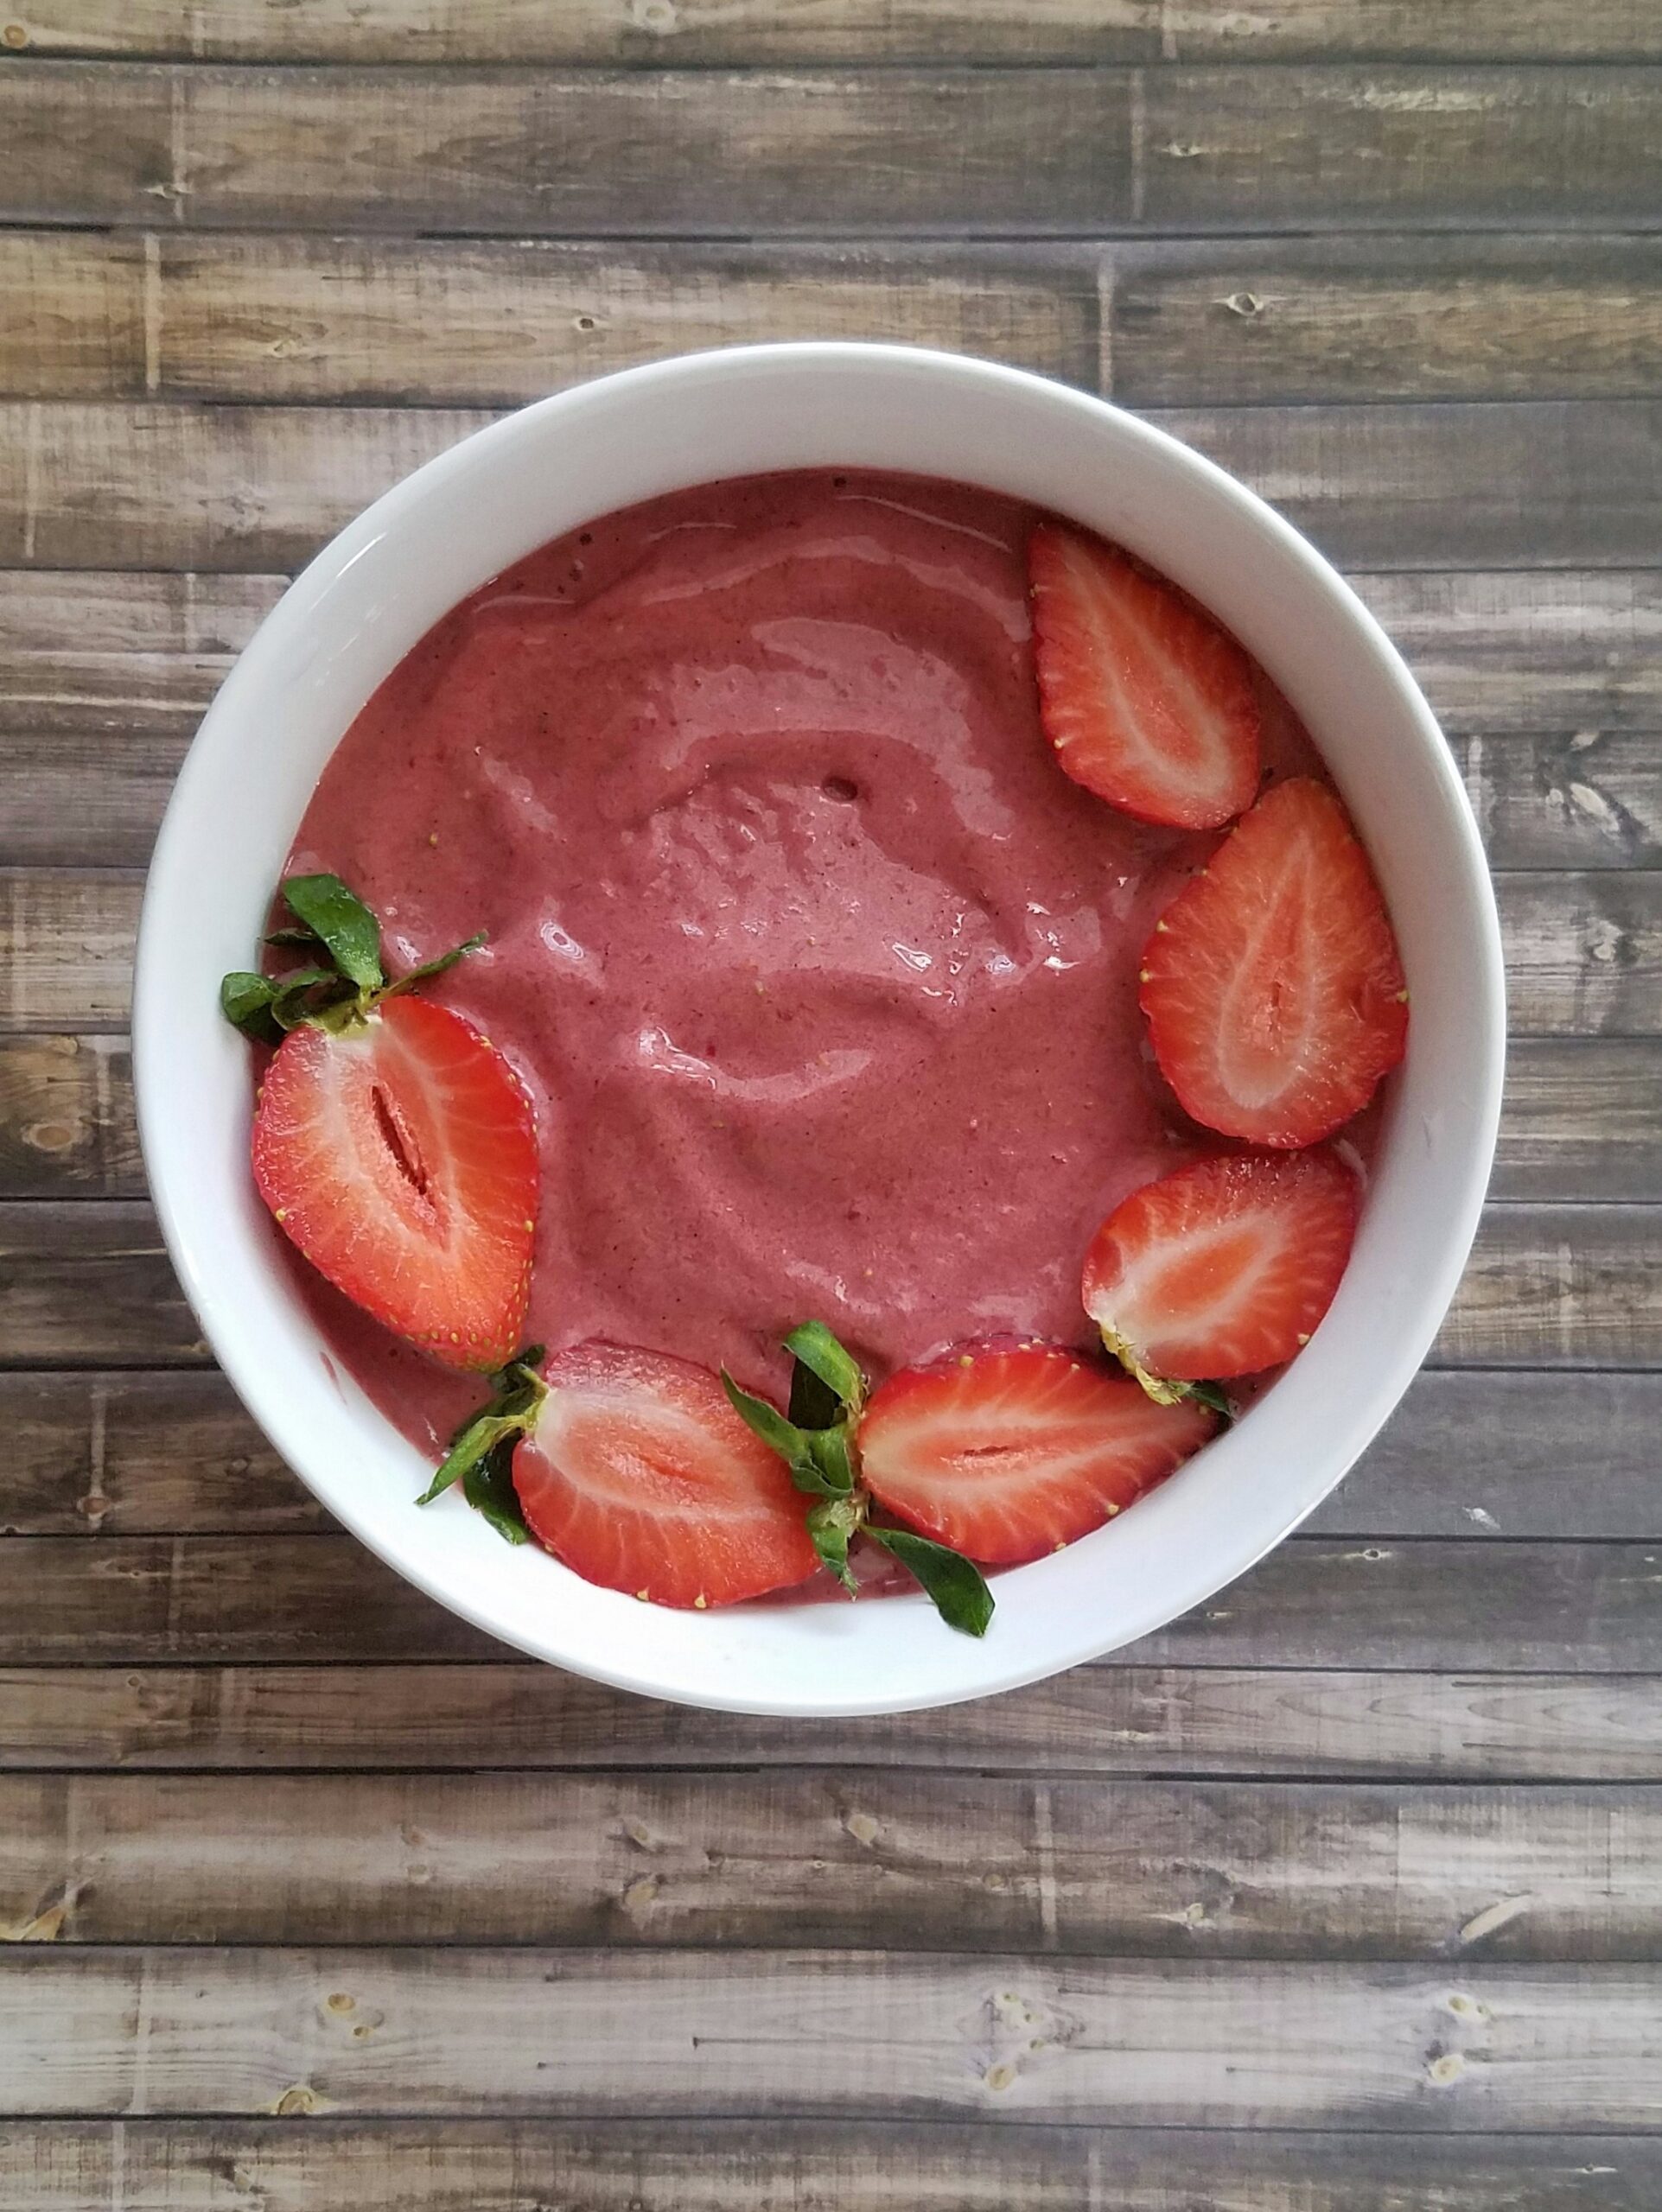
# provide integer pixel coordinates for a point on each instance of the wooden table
(1344, 1892)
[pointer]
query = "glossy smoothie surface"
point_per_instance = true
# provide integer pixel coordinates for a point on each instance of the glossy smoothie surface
(821, 974)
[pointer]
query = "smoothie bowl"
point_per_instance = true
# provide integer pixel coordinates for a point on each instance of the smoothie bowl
(898, 798)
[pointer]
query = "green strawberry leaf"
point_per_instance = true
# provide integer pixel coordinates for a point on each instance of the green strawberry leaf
(306, 993)
(830, 1525)
(956, 1585)
(1213, 1394)
(301, 936)
(339, 917)
(246, 1001)
(517, 1392)
(831, 1453)
(487, 1485)
(796, 1446)
(429, 969)
(814, 1347)
(814, 1404)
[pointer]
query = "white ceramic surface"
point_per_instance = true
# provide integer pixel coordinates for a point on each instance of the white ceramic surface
(372, 594)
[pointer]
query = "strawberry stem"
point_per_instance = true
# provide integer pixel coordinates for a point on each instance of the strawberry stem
(817, 1442)
(333, 924)
(481, 1456)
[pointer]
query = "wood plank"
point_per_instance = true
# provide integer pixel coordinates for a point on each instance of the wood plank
(881, 1861)
(499, 321)
(86, 798)
(1559, 1286)
(87, 1283)
(1584, 799)
(1222, 323)
(703, 32)
(1506, 1607)
(1511, 652)
(1468, 1454)
(762, 2166)
(663, 154)
(131, 654)
(1508, 1454)
(1537, 484)
(1116, 1718)
(491, 321)
(1045, 152)
(1579, 798)
(66, 1124)
(1580, 1120)
(1384, 147)
(1584, 952)
(148, 1454)
(596, 2033)
(1523, 485)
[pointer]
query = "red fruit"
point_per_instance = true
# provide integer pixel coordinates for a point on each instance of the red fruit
(1223, 1268)
(641, 1477)
(400, 1156)
(1005, 1455)
(1272, 983)
(1148, 702)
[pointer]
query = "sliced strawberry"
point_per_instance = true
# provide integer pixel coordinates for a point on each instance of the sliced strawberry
(1148, 702)
(1005, 1455)
(1272, 983)
(641, 1477)
(399, 1153)
(1224, 1267)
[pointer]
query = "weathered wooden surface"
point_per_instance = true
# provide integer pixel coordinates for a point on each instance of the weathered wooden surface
(1339, 1893)
(752, 2166)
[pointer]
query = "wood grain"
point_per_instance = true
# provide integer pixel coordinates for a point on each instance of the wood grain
(881, 1861)
(1528, 485)
(1112, 1719)
(1504, 1607)
(491, 321)
(1468, 1454)
(751, 31)
(1059, 151)
(1222, 323)
(757, 2166)
(479, 2031)
(481, 321)
(131, 654)
(1230, 148)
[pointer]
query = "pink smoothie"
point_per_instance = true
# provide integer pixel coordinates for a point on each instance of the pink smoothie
(822, 975)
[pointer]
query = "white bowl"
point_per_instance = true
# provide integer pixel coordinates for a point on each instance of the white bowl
(372, 594)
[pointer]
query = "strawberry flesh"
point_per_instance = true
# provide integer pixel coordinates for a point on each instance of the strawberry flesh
(400, 1155)
(1007, 1454)
(1272, 985)
(1147, 702)
(1223, 1268)
(641, 1477)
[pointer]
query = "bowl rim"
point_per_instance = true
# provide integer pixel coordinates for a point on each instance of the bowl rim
(263, 1396)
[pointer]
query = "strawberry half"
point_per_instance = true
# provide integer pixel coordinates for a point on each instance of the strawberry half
(639, 1474)
(1272, 983)
(397, 1152)
(1147, 702)
(1222, 1269)
(1006, 1455)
